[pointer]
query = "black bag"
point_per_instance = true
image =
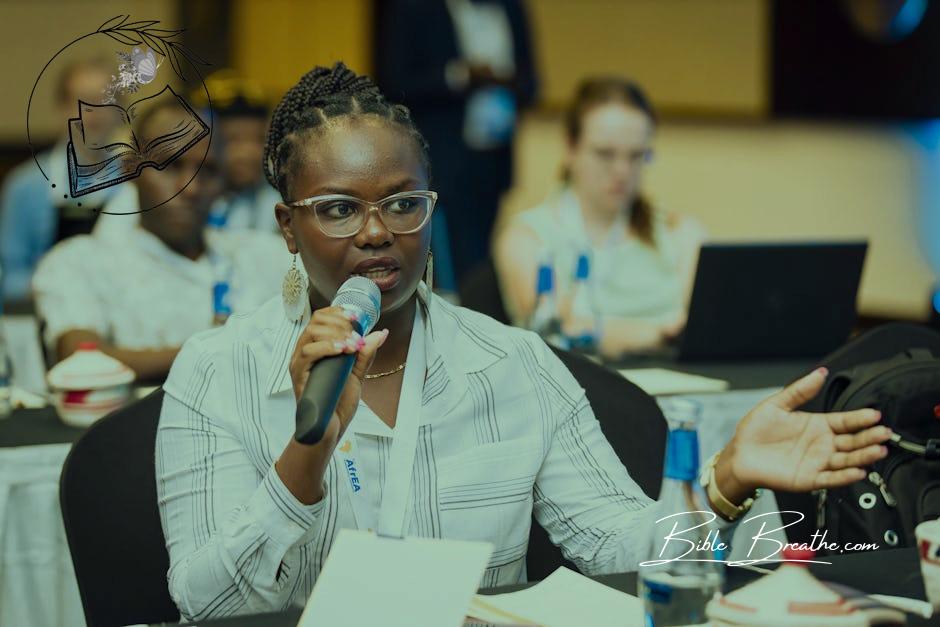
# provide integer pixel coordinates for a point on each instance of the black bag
(903, 489)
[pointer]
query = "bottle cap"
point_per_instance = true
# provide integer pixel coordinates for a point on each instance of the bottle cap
(682, 455)
(681, 412)
(87, 346)
(583, 268)
(545, 280)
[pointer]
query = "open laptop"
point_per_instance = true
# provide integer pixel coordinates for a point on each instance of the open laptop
(769, 300)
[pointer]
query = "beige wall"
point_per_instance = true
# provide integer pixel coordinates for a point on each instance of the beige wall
(783, 182)
(279, 40)
(698, 56)
(32, 31)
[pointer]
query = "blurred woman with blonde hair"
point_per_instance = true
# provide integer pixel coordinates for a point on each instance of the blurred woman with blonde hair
(641, 260)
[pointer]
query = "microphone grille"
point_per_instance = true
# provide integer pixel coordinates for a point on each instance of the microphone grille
(365, 296)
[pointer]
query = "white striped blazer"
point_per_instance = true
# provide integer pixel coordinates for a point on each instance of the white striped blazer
(505, 431)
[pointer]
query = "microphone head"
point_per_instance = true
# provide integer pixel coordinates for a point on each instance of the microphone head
(364, 296)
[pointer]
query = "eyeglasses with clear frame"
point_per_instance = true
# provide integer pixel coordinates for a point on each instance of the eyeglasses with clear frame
(339, 215)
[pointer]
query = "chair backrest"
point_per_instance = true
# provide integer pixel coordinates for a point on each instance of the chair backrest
(479, 291)
(108, 496)
(635, 427)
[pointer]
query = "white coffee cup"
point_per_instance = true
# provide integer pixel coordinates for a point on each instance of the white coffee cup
(928, 546)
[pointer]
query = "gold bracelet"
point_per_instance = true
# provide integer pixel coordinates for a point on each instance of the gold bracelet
(719, 502)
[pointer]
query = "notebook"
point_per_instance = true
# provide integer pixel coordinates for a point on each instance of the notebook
(658, 381)
(563, 599)
(411, 582)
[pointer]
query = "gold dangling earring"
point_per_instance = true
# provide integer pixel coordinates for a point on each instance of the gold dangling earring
(429, 272)
(294, 292)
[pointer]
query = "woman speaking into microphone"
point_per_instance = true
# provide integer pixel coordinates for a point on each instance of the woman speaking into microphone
(449, 425)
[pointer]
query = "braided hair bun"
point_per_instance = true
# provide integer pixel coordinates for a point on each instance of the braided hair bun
(322, 95)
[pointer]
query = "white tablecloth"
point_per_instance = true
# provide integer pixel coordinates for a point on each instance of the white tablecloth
(37, 582)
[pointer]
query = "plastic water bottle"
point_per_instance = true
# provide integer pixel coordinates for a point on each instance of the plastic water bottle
(6, 379)
(545, 320)
(679, 576)
(584, 339)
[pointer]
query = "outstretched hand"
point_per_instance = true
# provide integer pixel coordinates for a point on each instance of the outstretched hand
(777, 447)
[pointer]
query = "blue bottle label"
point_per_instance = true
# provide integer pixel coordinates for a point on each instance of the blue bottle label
(220, 299)
(545, 280)
(682, 455)
(583, 268)
(583, 342)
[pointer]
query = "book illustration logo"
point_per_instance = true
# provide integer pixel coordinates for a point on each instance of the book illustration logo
(106, 145)
(117, 148)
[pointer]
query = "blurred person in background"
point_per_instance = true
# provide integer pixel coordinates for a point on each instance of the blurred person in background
(465, 70)
(34, 215)
(642, 260)
(241, 111)
(239, 120)
(141, 296)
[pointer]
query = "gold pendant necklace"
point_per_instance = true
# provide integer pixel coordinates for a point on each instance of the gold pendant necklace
(385, 374)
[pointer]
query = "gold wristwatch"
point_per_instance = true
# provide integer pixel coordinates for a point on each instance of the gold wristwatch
(722, 506)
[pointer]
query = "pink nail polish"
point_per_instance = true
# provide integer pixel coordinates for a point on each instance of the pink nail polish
(360, 344)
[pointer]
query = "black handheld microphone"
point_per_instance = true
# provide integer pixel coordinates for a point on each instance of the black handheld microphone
(328, 376)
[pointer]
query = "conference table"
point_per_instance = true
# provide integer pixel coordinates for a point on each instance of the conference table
(37, 582)
(893, 572)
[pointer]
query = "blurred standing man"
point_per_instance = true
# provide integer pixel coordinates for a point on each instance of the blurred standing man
(465, 69)
(33, 214)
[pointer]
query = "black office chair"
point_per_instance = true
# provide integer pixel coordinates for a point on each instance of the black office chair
(479, 291)
(108, 496)
(635, 427)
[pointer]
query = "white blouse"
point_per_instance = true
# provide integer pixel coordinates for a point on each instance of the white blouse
(490, 428)
(137, 293)
(629, 278)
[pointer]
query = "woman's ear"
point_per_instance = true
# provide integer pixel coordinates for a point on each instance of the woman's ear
(284, 217)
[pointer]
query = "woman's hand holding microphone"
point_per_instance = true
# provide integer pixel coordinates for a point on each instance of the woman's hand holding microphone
(329, 333)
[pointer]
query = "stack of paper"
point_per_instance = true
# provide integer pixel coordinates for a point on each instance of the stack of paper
(564, 599)
(656, 381)
(412, 582)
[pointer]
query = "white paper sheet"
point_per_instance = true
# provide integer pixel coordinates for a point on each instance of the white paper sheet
(563, 599)
(414, 582)
(655, 381)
